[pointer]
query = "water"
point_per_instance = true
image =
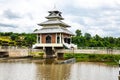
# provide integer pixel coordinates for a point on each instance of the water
(77, 71)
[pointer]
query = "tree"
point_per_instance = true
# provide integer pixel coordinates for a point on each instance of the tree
(78, 32)
(87, 36)
(97, 37)
(92, 43)
(14, 36)
(30, 39)
(8, 33)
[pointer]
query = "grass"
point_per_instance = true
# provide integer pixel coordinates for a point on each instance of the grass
(37, 54)
(110, 59)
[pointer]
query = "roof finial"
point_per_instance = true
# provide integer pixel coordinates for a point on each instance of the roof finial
(54, 8)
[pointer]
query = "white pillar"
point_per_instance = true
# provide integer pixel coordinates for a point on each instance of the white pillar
(37, 38)
(40, 39)
(56, 37)
(62, 38)
(70, 39)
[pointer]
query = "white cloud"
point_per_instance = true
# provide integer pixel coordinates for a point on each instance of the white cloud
(92, 16)
(95, 3)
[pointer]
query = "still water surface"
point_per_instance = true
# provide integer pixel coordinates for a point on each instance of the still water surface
(77, 71)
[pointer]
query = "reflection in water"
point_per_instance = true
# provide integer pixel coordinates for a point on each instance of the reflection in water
(53, 72)
(93, 71)
(77, 71)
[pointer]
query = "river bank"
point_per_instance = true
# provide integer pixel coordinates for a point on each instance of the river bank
(35, 59)
(109, 59)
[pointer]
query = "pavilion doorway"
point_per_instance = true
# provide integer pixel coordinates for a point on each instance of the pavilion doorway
(48, 39)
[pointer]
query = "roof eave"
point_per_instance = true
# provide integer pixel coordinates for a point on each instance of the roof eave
(52, 32)
(65, 25)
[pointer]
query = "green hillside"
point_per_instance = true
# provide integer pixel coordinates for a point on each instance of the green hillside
(17, 39)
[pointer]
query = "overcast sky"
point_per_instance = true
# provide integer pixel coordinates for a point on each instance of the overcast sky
(100, 17)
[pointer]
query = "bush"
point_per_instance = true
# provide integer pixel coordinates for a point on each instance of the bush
(67, 56)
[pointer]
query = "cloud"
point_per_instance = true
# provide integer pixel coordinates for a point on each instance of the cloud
(92, 4)
(11, 15)
(7, 25)
(103, 21)
(93, 16)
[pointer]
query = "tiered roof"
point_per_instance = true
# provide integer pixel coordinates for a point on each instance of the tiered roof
(54, 24)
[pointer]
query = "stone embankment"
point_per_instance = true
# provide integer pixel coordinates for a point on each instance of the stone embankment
(90, 51)
(20, 52)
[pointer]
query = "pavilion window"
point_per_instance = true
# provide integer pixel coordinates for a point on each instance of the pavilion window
(65, 40)
(58, 39)
(38, 38)
(69, 41)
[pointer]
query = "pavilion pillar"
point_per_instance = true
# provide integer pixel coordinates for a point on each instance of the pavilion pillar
(40, 39)
(56, 37)
(62, 38)
(70, 40)
(37, 38)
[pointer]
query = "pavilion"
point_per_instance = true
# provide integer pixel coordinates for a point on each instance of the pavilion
(53, 35)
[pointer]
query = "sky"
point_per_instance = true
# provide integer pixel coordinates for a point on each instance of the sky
(100, 17)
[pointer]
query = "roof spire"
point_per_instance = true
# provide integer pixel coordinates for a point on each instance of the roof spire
(54, 8)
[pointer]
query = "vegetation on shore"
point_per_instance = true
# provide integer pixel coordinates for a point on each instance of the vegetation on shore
(81, 40)
(86, 40)
(17, 39)
(110, 59)
(37, 54)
